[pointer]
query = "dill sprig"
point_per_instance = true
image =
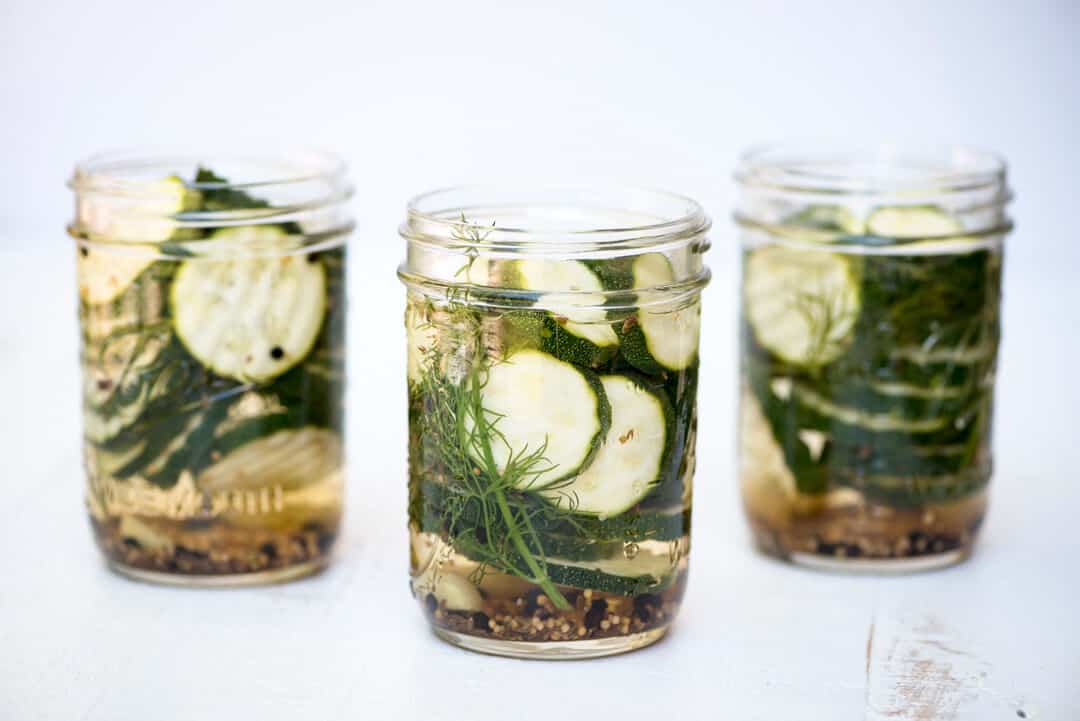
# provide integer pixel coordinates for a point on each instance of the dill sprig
(472, 236)
(484, 511)
(487, 509)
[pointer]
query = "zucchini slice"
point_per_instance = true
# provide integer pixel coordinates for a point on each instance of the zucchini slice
(905, 222)
(618, 575)
(250, 319)
(630, 459)
(802, 304)
(822, 223)
(145, 218)
(614, 273)
(119, 382)
(104, 274)
(456, 268)
(577, 328)
(660, 338)
(537, 401)
(578, 548)
(291, 458)
(591, 578)
(662, 524)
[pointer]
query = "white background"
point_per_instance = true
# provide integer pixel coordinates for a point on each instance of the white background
(419, 95)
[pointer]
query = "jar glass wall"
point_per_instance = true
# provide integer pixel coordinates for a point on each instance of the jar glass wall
(870, 327)
(211, 308)
(552, 376)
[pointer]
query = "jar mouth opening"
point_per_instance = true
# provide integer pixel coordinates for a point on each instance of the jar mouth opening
(556, 219)
(185, 201)
(870, 170)
(258, 186)
(136, 171)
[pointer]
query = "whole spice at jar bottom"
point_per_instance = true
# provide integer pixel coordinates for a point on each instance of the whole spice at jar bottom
(217, 553)
(533, 617)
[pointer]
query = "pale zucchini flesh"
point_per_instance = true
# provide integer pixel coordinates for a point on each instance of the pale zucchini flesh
(822, 223)
(630, 457)
(905, 222)
(571, 290)
(290, 459)
(801, 304)
(540, 402)
(105, 273)
(669, 334)
(249, 318)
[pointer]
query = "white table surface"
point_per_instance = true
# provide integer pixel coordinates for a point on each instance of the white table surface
(993, 638)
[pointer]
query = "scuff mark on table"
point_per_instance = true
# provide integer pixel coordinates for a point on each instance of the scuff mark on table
(920, 671)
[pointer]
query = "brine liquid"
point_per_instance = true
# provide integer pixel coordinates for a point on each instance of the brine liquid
(842, 524)
(620, 576)
(192, 475)
(509, 608)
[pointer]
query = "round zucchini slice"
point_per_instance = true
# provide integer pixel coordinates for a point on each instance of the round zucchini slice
(905, 222)
(537, 401)
(630, 459)
(105, 274)
(572, 294)
(801, 304)
(822, 223)
(663, 337)
(253, 318)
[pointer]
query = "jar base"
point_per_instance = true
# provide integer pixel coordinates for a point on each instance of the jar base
(221, 580)
(553, 650)
(897, 566)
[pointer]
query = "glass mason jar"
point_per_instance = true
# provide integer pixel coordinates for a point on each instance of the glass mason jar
(552, 377)
(871, 298)
(212, 318)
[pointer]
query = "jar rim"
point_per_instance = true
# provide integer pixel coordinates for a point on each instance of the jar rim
(558, 218)
(133, 171)
(877, 169)
(155, 198)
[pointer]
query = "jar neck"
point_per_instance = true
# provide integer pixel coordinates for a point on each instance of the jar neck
(474, 236)
(209, 205)
(968, 185)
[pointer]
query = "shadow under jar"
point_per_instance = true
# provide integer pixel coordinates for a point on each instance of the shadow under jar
(552, 378)
(212, 319)
(871, 292)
